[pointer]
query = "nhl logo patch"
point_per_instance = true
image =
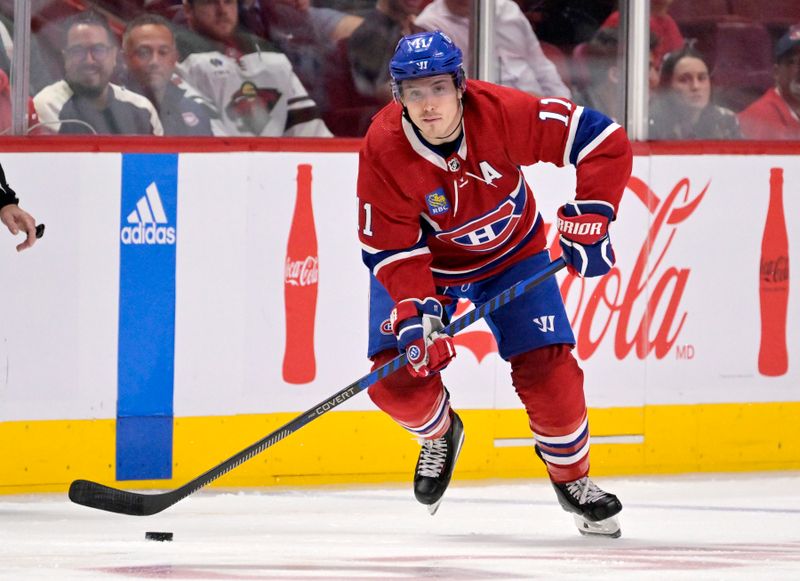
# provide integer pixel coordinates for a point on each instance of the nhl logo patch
(437, 202)
(453, 164)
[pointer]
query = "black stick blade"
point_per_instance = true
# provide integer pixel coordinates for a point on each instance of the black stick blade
(103, 497)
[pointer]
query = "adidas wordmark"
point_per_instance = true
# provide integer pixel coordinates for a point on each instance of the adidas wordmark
(148, 221)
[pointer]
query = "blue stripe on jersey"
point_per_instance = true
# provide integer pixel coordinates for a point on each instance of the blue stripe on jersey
(591, 124)
(372, 260)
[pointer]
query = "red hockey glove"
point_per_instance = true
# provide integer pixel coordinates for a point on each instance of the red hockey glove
(416, 324)
(584, 238)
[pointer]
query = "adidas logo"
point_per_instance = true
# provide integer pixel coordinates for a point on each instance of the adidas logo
(148, 221)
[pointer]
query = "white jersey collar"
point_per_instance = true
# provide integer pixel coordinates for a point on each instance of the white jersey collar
(424, 151)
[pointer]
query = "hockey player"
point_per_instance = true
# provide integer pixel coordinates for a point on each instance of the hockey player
(445, 213)
(15, 218)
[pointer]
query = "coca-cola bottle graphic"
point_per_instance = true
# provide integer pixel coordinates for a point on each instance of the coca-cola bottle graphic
(300, 286)
(774, 283)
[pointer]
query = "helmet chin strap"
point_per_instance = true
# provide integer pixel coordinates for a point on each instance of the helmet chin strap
(458, 125)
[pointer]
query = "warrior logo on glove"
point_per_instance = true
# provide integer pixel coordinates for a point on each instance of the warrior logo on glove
(584, 240)
(587, 227)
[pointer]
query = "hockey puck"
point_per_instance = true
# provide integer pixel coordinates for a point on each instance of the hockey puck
(154, 536)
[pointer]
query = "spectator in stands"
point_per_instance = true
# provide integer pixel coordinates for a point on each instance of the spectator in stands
(661, 24)
(566, 23)
(372, 45)
(296, 18)
(683, 108)
(85, 101)
(40, 72)
(251, 83)
(523, 64)
(151, 56)
(605, 90)
(306, 34)
(776, 114)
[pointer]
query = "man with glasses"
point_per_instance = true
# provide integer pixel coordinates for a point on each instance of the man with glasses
(85, 101)
(776, 115)
(150, 57)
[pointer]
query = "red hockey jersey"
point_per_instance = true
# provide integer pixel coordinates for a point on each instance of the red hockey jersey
(426, 220)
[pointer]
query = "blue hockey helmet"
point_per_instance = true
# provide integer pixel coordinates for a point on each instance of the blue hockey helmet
(426, 54)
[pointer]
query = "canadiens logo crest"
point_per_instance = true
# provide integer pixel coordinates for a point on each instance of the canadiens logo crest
(491, 230)
(190, 118)
(437, 202)
(386, 327)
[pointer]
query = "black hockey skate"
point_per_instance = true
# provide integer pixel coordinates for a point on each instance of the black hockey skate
(435, 465)
(594, 509)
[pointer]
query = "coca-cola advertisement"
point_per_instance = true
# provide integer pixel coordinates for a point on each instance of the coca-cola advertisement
(637, 312)
(690, 344)
(699, 305)
(300, 279)
(773, 358)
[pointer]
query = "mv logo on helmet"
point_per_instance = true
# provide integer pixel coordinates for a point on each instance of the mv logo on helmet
(420, 43)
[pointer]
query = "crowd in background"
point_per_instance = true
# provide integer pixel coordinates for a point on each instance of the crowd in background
(719, 69)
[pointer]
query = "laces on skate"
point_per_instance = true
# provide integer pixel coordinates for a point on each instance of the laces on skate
(437, 459)
(584, 490)
(432, 457)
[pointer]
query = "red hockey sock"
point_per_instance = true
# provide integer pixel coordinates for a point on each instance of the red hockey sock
(550, 384)
(419, 404)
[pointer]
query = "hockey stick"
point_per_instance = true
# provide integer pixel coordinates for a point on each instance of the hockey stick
(103, 497)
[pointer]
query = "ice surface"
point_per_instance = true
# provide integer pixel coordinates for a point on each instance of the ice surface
(737, 527)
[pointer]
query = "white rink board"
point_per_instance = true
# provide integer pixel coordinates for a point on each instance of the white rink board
(59, 301)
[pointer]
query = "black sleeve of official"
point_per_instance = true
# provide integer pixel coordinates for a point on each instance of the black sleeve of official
(7, 195)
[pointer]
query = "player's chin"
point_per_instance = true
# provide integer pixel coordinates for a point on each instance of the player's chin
(431, 129)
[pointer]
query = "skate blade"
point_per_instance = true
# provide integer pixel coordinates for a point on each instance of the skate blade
(602, 528)
(432, 508)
